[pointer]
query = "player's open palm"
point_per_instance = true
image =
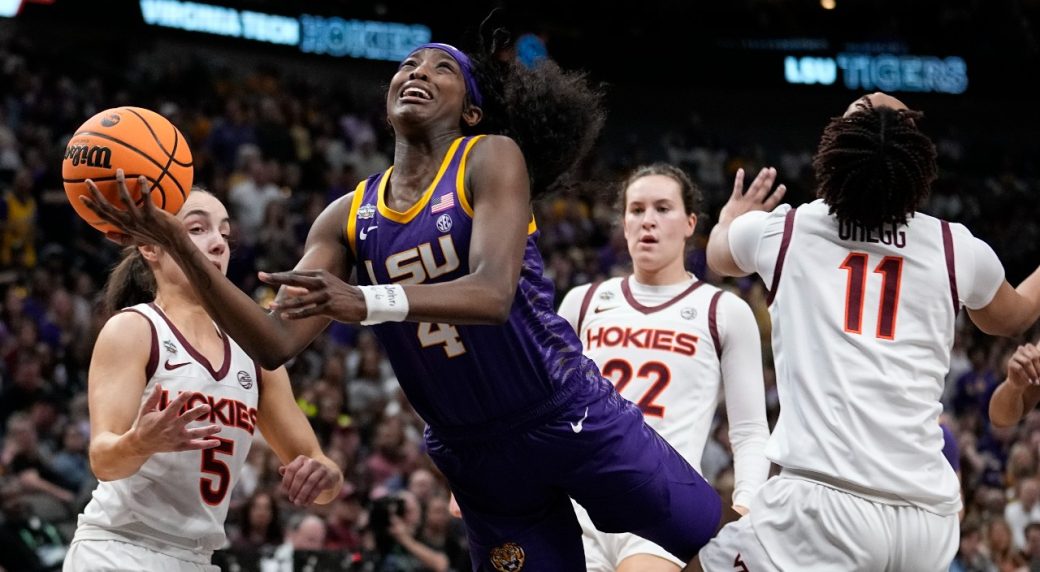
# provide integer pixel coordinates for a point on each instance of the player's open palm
(316, 293)
(1024, 366)
(163, 430)
(759, 196)
(141, 223)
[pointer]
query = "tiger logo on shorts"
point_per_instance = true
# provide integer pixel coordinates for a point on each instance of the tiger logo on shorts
(508, 558)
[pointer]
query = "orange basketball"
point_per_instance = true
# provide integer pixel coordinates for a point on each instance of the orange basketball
(136, 140)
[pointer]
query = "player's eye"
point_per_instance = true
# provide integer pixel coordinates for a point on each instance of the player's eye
(410, 63)
(196, 230)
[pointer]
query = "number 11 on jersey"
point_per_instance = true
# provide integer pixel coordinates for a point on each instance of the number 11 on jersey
(891, 270)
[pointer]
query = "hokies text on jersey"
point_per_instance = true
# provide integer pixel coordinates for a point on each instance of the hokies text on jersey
(222, 411)
(642, 338)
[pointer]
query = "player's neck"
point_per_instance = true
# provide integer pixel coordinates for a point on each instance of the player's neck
(414, 154)
(185, 311)
(671, 274)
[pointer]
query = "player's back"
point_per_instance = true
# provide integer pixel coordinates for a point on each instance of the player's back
(863, 325)
(179, 500)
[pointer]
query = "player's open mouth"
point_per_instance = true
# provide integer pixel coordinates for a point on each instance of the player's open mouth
(648, 240)
(414, 93)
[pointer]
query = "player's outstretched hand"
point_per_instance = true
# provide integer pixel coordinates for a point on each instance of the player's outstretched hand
(1024, 366)
(160, 431)
(305, 478)
(760, 196)
(316, 293)
(144, 223)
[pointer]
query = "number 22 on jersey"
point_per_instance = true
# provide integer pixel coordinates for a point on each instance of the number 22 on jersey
(891, 270)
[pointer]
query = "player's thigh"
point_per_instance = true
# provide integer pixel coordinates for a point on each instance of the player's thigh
(795, 524)
(115, 556)
(735, 549)
(546, 538)
(633, 478)
(924, 541)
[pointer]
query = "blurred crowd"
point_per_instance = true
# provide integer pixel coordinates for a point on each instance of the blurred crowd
(277, 150)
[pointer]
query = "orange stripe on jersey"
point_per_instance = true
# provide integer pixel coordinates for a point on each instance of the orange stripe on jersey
(406, 216)
(460, 177)
(351, 227)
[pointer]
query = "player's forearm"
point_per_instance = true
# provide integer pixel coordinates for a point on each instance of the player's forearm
(114, 457)
(263, 336)
(750, 465)
(468, 300)
(1029, 289)
(1007, 406)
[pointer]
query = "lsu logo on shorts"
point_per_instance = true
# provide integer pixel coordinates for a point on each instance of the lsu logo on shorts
(508, 558)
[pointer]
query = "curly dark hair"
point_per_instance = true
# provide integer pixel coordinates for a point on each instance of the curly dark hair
(555, 116)
(875, 166)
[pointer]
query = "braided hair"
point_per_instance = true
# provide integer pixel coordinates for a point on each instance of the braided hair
(555, 116)
(874, 166)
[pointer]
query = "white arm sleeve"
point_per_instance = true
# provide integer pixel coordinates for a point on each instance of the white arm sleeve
(745, 396)
(570, 308)
(979, 271)
(754, 241)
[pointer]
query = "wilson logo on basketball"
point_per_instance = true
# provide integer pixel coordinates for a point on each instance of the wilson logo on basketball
(89, 155)
(110, 120)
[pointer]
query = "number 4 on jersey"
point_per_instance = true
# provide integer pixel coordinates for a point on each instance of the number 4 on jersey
(441, 334)
(891, 270)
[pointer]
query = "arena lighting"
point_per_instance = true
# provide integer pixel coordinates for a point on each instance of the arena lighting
(885, 72)
(10, 8)
(311, 34)
(828, 4)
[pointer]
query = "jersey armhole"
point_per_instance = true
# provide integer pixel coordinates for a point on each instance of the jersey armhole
(153, 352)
(785, 242)
(951, 266)
(350, 228)
(713, 323)
(585, 302)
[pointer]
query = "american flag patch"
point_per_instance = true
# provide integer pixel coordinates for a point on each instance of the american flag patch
(444, 203)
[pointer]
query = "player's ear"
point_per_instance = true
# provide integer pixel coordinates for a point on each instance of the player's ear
(472, 115)
(692, 225)
(150, 252)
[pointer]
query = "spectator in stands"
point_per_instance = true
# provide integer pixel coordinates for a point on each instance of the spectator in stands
(260, 526)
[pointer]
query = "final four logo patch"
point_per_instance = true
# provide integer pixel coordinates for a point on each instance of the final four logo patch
(170, 346)
(508, 558)
(366, 211)
(245, 380)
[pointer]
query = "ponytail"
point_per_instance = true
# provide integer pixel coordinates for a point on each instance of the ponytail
(130, 283)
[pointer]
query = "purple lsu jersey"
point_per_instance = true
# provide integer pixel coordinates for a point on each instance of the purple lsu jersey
(461, 375)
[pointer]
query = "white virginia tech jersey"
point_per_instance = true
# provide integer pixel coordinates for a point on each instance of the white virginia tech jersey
(665, 358)
(181, 499)
(863, 325)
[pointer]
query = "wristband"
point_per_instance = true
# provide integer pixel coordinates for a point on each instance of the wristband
(385, 303)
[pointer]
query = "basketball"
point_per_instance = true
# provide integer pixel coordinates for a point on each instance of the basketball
(137, 140)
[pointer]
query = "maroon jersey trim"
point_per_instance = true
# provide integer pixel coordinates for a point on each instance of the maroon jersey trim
(651, 309)
(217, 374)
(784, 243)
(153, 353)
(951, 267)
(713, 324)
(585, 305)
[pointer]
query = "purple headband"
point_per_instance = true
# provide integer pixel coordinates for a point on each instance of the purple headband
(464, 63)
